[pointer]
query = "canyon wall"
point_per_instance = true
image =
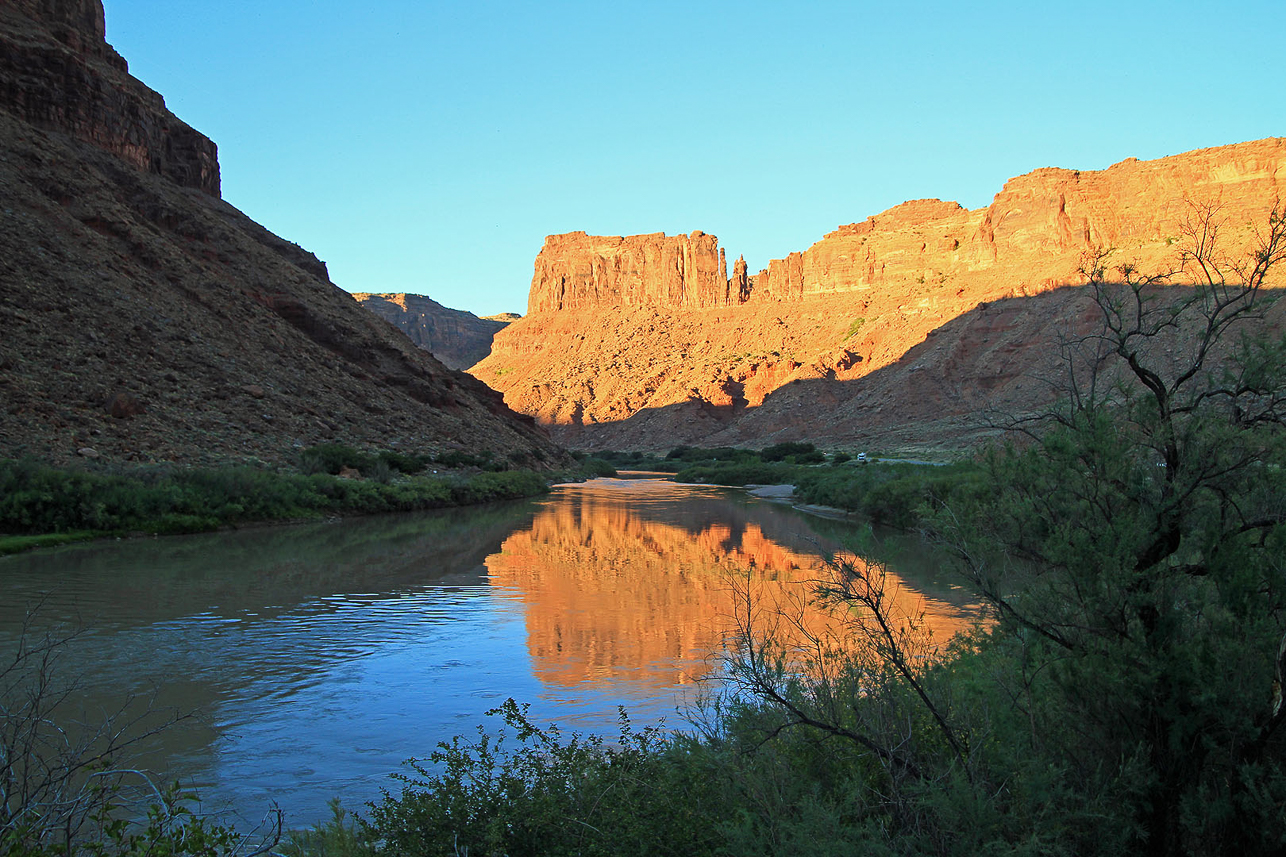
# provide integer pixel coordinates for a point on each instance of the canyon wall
(142, 318)
(578, 271)
(849, 340)
(77, 84)
(458, 338)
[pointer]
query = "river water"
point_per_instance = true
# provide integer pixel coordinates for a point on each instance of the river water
(318, 658)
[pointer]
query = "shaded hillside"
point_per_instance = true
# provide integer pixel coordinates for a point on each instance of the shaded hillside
(145, 318)
(458, 338)
(623, 330)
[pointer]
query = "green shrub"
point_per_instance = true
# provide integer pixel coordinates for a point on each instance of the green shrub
(532, 791)
(597, 467)
(747, 473)
(781, 451)
(38, 499)
(332, 458)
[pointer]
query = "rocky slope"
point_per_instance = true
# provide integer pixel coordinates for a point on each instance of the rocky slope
(458, 338)
(898, 330)
(146, 319)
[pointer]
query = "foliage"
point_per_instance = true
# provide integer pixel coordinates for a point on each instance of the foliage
(548, 795)
(592, 467)
(690, 454)
(751, 472)
(792, 452)
(341, 836)
(36, 498)
(896, 495)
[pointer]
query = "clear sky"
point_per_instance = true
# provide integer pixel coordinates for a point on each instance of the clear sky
(429, 147)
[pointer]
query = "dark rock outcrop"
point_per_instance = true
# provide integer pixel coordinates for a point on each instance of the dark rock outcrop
(144, 318)
(458, 338)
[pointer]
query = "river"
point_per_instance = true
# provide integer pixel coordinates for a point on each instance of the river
(318, 658)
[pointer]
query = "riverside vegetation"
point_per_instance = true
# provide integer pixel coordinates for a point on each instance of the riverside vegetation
(1124, 695)
(44, 505)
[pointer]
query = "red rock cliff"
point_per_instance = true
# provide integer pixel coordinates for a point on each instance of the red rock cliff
(575, 271)
(76, 84)
(1037, 227)
(624, 348)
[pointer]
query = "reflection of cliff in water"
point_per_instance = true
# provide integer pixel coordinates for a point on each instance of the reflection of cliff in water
(634, 580)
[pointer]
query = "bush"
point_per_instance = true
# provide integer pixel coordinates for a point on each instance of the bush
(747, 473)
(781, 451)
(549, 795)
(36, 499)
(592, 467)
(332, 458)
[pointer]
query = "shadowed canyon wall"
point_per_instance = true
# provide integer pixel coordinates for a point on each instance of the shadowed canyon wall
(143, 318)
(458, 338)
(647, 341)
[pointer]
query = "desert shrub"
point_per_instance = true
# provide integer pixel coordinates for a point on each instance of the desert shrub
(484, 460)
(488, 487)
(597, 467)
(332, 458)
(39, 499)
(781, 451)
(747, 473)
(404, 462)
(528, 790)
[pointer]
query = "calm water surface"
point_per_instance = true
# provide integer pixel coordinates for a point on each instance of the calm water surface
(320, 657)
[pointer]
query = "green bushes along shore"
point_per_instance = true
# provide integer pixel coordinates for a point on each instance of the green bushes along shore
(44, 505)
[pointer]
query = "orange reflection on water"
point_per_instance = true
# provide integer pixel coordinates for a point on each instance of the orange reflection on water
(618, 590)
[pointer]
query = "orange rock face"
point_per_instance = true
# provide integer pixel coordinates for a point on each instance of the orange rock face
(900, 328)
(579, 271)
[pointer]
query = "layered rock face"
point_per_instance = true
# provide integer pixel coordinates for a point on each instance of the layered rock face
(76, 84)
(579, 271)
(458, 338)
(143, 318)
(865, 327)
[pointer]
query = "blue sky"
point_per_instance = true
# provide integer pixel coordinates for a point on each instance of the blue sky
(429, 147)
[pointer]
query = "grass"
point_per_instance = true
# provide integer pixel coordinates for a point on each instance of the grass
(18, 544)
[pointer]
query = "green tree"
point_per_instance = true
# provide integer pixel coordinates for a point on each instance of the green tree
(1126, 695)
(1133, 555)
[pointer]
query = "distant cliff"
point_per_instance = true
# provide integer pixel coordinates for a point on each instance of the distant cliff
(577, 271)
(142, 318)
(458, 338)
(648, 341)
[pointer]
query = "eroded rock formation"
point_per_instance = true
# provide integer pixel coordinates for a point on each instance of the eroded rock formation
(579, 271)
(77, 84)
(849, 341)
(458, 338)
(143, 318)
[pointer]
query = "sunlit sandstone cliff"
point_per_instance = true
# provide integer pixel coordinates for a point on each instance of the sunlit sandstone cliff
(144, 318)
(899, 328)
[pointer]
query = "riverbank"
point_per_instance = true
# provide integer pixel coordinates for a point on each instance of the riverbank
(890, 493)
(42, 505)
(785, 494)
